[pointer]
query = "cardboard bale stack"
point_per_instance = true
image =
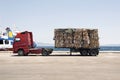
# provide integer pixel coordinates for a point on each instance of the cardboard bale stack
(68, 36)
(76, 38)
(63, 38)
(94, 39)
(85, 38)
(59, 38)
(77, 41)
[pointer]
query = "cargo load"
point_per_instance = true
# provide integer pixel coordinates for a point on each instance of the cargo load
(76, 38)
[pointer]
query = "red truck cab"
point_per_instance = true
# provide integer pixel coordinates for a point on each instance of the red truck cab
(24, 45)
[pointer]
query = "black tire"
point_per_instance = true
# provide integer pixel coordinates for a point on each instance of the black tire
(93, 52)
(84, 52)
(45, 53)
(21, 52)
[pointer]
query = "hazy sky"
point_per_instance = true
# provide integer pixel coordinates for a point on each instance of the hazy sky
(42, 16)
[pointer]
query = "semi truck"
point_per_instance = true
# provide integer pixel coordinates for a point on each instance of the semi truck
(85, 41)
(24, 45)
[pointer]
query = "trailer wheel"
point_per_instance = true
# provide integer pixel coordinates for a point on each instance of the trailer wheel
(84, 52)
(20, 52)
(93, 52)
(45, 53)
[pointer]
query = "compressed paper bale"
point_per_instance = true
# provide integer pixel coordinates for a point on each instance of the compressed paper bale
(77, 38)
(63, 38)
(68, 38)
(94, 39)
(94, 44)
(86, 40)
(59, 42)
(93, 34)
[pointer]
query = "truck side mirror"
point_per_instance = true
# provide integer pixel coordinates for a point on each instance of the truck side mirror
(17, 39)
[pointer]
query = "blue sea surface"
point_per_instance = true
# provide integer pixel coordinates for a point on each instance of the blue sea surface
(102, 48)
(109, 48)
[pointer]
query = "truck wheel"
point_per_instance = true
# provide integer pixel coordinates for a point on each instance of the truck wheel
(20, 52)
(84, 52)
(93, 52)
(45, 53)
